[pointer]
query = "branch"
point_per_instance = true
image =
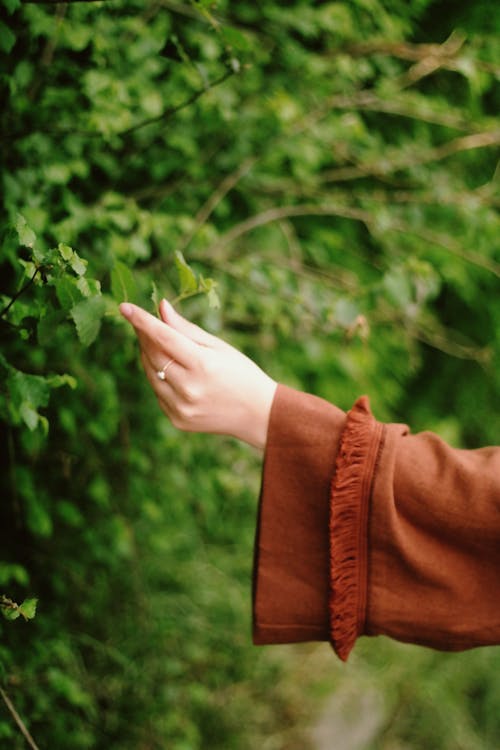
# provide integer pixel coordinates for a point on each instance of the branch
(18, 294)
(455, 146)
(367, 100)
(408, 51)
(462, 199)
(346, 212)
(442, 241)
(221, 191)
(128, 131)
(27, 736)
(276, 214)
(172, 110)
(446, 52)
(440, 339)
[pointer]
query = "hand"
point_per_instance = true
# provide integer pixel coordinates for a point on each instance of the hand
(209, 386)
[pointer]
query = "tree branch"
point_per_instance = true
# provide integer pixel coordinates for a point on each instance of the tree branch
(346, 212)
(367, 100)
(209, 206)
(18, 294)
(166, 114)
(173, 110)
(20, 723)
(446, 52)
(276, 214)
(455, 146)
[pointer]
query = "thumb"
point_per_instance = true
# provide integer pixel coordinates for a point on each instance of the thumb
(188, 329)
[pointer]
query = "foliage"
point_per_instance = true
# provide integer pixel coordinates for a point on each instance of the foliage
(332, 166)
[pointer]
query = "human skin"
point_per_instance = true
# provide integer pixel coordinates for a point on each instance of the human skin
(209, 386)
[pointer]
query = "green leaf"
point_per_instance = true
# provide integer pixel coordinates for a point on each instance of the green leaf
(11, 5)
(29, 415)
(13, 572)
(57, 381)
(187, 277)
(213, 298)
(155, 297)
(26, 235)
(397, 284)
(10, 613)
(48, 325)
(12, 610)
(28, 608)
(87, 316)
(79, 265)
(209, 287)
(123, 286)
(33, 389)
(88, 287)
(7, 38)
(65, 251)
(67, 292)
(38, 518)
(236, 39)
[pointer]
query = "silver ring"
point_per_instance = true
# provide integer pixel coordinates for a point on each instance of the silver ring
(161, 374)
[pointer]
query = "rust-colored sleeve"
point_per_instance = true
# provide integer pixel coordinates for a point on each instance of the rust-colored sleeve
(367, 529)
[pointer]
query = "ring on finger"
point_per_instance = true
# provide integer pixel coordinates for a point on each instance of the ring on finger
(161, 374)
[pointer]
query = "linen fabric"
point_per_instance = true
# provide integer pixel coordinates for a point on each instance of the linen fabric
(367, 529)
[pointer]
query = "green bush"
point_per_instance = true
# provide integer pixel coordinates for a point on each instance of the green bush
(328, 172)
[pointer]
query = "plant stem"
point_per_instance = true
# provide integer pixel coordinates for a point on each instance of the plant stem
(18, 294)
(20, 723)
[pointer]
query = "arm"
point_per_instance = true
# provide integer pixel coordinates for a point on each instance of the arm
(363, 527)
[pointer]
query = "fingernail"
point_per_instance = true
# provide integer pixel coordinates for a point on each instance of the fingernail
(126, 310)
(166, 309)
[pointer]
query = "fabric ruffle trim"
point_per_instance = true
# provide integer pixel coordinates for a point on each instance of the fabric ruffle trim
(348, 525)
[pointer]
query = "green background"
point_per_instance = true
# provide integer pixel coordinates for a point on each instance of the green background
(329, 172)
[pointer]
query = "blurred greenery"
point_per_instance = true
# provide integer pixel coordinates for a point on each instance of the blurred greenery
(318, 183)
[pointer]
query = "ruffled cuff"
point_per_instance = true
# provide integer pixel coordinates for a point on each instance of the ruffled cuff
(350, 495)
(291, 590)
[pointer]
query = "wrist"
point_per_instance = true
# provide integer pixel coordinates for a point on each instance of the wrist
(254, 424)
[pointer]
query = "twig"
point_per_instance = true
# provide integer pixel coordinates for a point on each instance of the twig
(128, 131)
(278, 213)
(172, 110)
(435, 238)
(209, 206)
(367, 100)
(18, 294)
(447, 52)
(442, 341)
(20, 723)
(346, 212)
(455, 146)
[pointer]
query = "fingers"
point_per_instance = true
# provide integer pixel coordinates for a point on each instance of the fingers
(192, 331)
(176, 399)
(163, 389)
(152, 331)
(174, 373)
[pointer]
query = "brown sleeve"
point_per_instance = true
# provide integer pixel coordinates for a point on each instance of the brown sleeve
(367, 529)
